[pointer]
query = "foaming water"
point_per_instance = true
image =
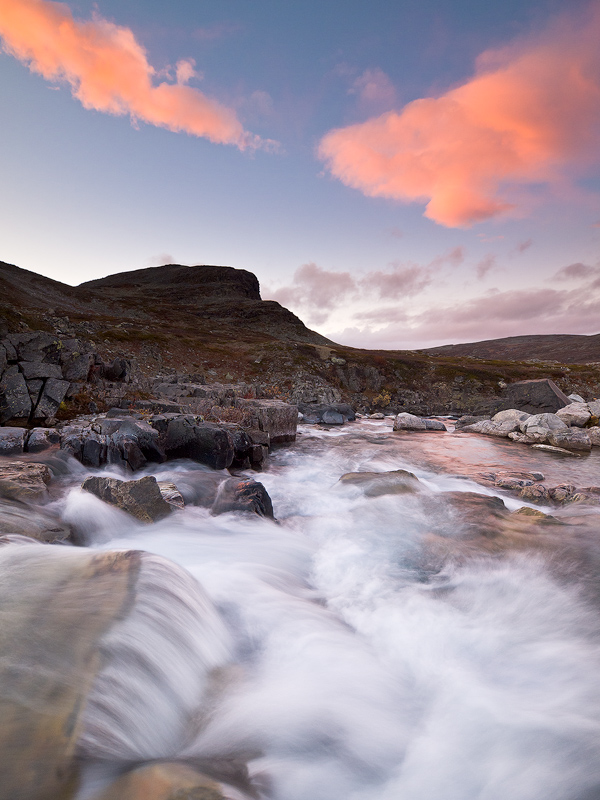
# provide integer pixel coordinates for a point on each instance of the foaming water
(358, 651)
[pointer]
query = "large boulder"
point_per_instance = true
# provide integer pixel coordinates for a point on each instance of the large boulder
(142, 498)
(15, 402)
(203, 442)
(243, 495)
(39, 369)
(538, 427)
(491, 428)
(24, 480)
(12, 441)
(575, 414)
(535, 396)
(55, 605)
(278, 419)
(409, 422)
(40, 439)
(511, 415)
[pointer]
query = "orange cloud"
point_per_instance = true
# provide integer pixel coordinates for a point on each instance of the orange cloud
(531, 111)
(108, 71)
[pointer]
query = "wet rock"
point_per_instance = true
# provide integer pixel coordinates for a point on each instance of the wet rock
(435, 425)
(15, 402)
(376, 484)
(332, 418)
(560, 493)
(328, 414)
(468, 419)
(275, 417)
(171, 493)
(93, 451)
(142, 498)
(508, 482)
(575, 414)
(199, 487)
(548, 448)
(167, 781)
(535, 493)
(538, 427)
(21, 519)
(12, 441)
(535, 515)
(204, 442)
(55, 605)
(243, 495)
(535, 396)
(242, 446)
(53, 394)
(40, 439)
(594, 434)
(573, 439)
(23, 480)
(490, 428)
(409, 422)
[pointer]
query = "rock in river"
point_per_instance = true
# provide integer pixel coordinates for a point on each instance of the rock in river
(142, 498)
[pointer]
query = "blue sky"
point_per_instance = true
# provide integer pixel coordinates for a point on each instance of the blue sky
(88, 193)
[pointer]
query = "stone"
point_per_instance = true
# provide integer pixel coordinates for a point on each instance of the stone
(205, 442)
(332, 418)
(15, 402)
(490, 428)
(594, 434)
(55, 605)
(171, 493)
(275, 417)
(12, 441)
(24, 480)
(53, 394)
(242, 495)
(376, 484)
(72, 443)
(39, 369)
(169, 781)
(517, 436)
(142, 498)
(562, 492)
(594, 407)
(315, 412)
(23, 520)
(468, 419)
(40, 439)
(435, 425)
(93, 452)
(575, 414)
(409, 422)
(548, 448)
(38, 346)
(119, 370)
(534, 514)
(539, 426)
(508, 482)
(510, 415)
(573, 439)
(576, 398)
(534, 493)
(377, 415)
(77, 367)
(34, 387)
(535, 396)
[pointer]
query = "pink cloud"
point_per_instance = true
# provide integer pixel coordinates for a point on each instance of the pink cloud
(486, 264)
(522, 246)
(575, 272)
(108, 70)
(402, 281)
(529, 115)
(315, 288)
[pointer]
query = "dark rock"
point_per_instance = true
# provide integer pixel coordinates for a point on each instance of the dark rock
(41, 439)
(199, 487)
(93, 452)
(15, 402)
(205, 442)
(39, 346)
(132, 431)
(330, 417)
(3, 359)
(12, 441)
(39, 369)
(34, 387)
(142, 498)
(77, 368)
(132, 453)
(72, 443)
(242, 446)
(329, 414)
(23, 480)
(244, 495)
(52, 396)
(275, 417)
(435, 425)
(468, 419)
(171, 494)
(536, 397)
(119, 370)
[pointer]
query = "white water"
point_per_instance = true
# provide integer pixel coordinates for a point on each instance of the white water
(353, 666)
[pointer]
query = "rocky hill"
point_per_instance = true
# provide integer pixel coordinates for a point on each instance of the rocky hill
(184, 326)
(560, 348)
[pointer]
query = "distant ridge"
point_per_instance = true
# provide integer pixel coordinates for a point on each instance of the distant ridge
(562, 347)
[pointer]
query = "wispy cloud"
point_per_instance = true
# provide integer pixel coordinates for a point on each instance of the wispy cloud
(486, 264)
(529, 114)
(574, 272)
(218, 30)
(108, 70)
(314, 288)
(374, 90)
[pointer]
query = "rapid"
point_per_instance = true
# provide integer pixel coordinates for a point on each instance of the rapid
(362, 646)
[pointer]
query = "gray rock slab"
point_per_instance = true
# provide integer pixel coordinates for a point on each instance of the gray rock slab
(12, 441)
(535, 396)
(15, 402)
(575, 414)
(53, 394)
(24, 481)
(39, 369)
(40, 439)
(409, 422)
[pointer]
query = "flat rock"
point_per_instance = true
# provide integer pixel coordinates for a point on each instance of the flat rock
(510, 415)
(142, 498)
(39, 369)
(539, 426)
(572, 439)
(40, 439)
(548, 448)
(24, 480)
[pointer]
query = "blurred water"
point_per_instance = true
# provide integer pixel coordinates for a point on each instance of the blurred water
(347, 662)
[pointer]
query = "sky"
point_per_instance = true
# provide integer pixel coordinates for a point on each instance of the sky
(400, 174)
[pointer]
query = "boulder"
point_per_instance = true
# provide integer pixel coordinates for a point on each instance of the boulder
(491, 428)
(574, 415)
(534, 493)
(435, 425)
(53, 394)
(329, 414)
(203, 442)
(409, 422)
(12, 441)
(15, 402)
(55, 605)
(539, 426)
(38, 346)
(594, 434)
(535, 396)
(93, 451)
(332, 418)
(24, 480)
(576, 398)
(76, 367)
(39, 369)
(142, 498)
(40, 439)
(199, 487)
(511, 415)
(21, 519)
(242, 495)
(468, 419)
(376, 484)
(169, 781)
(573, 439)
(562, 492)
(275, 417)
(594, 407)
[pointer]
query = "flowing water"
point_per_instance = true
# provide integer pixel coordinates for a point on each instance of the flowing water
(359, 652)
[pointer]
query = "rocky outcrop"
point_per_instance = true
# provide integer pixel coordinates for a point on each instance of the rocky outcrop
(142, 498)
(204, 442)
(274, 417)
(536, 396)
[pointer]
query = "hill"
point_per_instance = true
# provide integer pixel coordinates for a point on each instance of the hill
(561, 348)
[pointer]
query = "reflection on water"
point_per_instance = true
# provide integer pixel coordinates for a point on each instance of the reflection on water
(361, 667)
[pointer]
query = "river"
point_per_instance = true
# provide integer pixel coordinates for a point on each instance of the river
(367, 647)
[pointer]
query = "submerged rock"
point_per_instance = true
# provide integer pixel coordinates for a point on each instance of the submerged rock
(20, 519)
(24, 480)
(376, 484)
(142, 498)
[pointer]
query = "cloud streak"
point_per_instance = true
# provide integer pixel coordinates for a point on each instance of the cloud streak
(529, 115)
(108, 70)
